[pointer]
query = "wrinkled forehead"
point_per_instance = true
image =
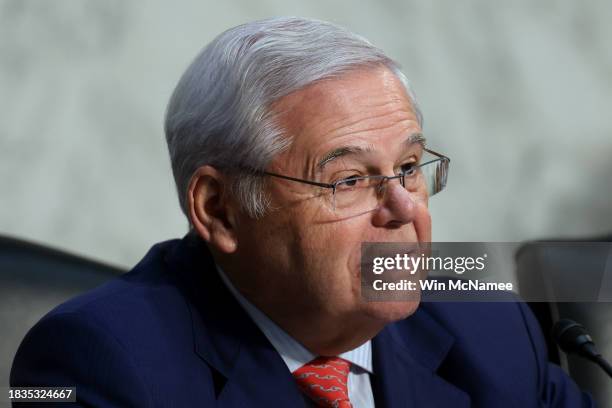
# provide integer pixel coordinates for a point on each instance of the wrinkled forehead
(340, 96)
(368, 107)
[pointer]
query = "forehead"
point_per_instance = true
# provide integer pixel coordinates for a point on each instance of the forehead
(365, 87)
(360, 106)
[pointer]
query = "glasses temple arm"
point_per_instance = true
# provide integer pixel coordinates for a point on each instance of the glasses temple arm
(312, 183)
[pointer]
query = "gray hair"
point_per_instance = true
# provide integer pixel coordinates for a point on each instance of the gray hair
(219, 113)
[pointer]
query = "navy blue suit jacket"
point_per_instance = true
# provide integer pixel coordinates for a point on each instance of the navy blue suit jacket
(169, 334)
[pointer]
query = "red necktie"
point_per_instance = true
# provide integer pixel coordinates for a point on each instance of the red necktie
(324, 381)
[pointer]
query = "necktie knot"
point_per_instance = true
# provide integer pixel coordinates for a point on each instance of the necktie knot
(324, 380)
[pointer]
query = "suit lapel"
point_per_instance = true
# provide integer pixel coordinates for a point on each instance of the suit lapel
(405, 357)
(247, 370)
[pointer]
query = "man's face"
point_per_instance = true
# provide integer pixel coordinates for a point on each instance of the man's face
(303, 257)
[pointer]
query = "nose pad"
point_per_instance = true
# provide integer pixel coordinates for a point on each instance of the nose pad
(381, 187)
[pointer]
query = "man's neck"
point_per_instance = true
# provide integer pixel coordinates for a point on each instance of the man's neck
(318, 333)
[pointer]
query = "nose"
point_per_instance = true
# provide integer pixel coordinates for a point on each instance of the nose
(398, 207)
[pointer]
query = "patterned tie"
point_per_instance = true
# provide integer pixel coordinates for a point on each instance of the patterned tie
(324, 381)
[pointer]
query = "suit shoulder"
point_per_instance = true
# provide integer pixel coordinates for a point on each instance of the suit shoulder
(150, 275)
(136, 307)
(119, 327)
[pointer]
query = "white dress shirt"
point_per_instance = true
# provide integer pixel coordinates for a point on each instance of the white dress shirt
(295, 355)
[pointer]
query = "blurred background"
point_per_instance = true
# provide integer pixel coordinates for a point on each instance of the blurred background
(516, 93)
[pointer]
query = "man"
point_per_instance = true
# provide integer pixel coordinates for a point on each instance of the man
(292, 141)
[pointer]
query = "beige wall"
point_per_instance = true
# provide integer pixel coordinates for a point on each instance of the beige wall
(516, 93)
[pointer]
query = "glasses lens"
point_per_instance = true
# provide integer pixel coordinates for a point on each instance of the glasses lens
(359, 195)
(435, 174)
(356, 195)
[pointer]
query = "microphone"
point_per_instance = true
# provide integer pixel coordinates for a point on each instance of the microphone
(573, 338)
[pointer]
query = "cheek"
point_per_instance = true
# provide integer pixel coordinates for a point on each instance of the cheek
(334, 249)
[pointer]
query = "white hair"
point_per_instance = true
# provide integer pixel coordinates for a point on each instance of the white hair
(219, 113)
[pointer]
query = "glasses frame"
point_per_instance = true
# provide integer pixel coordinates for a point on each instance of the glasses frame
(382, 178)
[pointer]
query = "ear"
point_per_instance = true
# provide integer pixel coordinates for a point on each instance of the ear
(210, 209)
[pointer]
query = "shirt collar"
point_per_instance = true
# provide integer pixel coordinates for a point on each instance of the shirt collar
(293, 353)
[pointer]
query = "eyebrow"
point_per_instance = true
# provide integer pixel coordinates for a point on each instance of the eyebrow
(414, 138)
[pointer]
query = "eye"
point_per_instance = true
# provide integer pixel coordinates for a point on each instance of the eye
(347, 182)
(408, 169)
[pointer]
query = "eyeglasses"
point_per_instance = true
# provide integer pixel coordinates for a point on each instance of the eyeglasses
(357, 195)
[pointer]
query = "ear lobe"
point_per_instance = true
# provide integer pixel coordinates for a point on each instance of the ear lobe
(223, 238)
(209, 210)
